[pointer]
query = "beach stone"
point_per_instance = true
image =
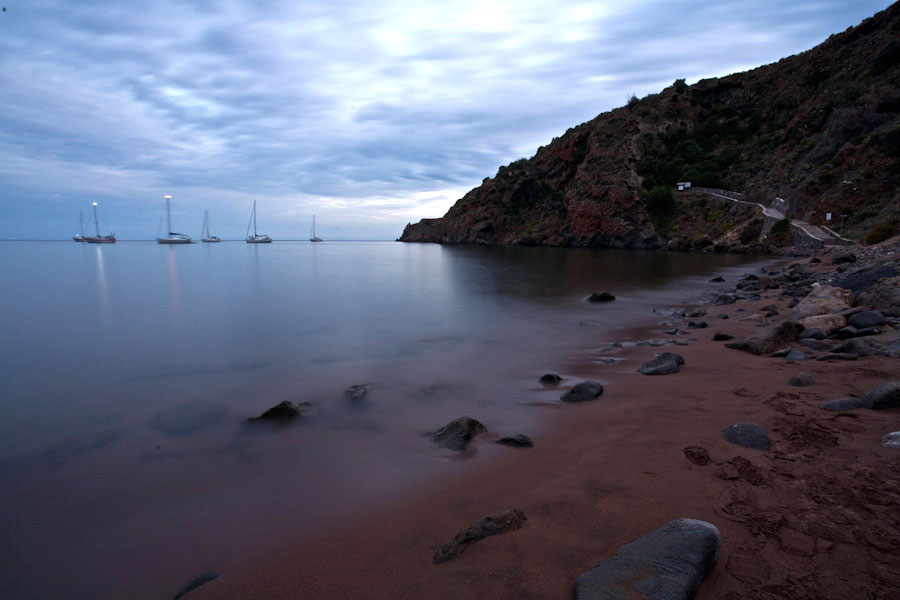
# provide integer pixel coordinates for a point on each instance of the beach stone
(869, 318)
(886, 395)
(822, 300)
(828, 323)
(846, 332)
(814, 261)
(802, 379)
(884, 295)
(550, 379)
(194, 583)
(781, 353)
(717, 279)
(673, 331)
(817, 345)
(613, 347)
(457, 434)
(843, 257)
(722, 316)
(795, 356)
(608, 360)
(283, 413)
(519, 441)
(891, 440)
(697, 324)
(495, 524)
(582, 392)
(837, 356)
(862, 280)
(721, 336)
(662, 364)
(772, 313)
(697, 455)
(868, 331)
(356, 393)
(842, 404)
(814, 333)
(768, 340)
(596, 297)
(670, 562)
(697, 312)
(748, 435)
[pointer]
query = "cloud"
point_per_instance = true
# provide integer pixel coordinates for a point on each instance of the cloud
(367, 115)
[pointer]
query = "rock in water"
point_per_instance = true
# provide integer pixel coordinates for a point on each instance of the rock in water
(519, 441)
(886, 395)
(457, 434)
(891, 440)
(768, 340)
(550, 379)
(582, 392)
(600, 297)
(802, 379)
(282, 413)
(501, 522)
(716, 280)
(748, 435)
(356, 393)
(662, 364)
(669, 563)
(194, 584)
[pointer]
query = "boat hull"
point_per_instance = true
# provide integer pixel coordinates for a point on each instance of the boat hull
(211, 240)
(173, 240)
(103, 239)
(266, 240)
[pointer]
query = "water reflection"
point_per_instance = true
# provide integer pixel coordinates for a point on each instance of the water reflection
(175, 299)
(106, 318)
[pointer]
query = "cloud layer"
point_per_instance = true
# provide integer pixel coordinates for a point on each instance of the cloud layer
(369, 116)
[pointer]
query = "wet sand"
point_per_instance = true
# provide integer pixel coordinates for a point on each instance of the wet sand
(814, 517)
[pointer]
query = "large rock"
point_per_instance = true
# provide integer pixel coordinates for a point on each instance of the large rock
(866, 319)
(884, 296)
(282, 413)
(519, 441)
(830, 323)
(863, 280)
(550, 379)
(822, 300)
(669, 563)
(457, 434)
(891, 440)
(768, 340)
(842, 404)
(886, 344)
(662, 364)
(596, 297)
(802, 380)
(356, 393)
(886, 395)
(500, 522)
(582, 392)
(748, 435)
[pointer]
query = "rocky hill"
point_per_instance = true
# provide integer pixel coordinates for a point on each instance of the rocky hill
(821, 130)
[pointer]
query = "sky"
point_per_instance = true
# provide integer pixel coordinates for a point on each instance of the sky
(368, 115)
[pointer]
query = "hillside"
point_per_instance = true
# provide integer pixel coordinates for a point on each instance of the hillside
(820, 130)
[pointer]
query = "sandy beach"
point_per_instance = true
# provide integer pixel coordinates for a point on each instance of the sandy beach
(813, 517)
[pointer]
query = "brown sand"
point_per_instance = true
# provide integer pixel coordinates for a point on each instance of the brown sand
(814, 517)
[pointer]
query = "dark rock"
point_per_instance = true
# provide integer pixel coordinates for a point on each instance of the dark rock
(747, 434)
(457, 434)
(723, 299)
(582, 392)
(886, 395)
(802, 379)
(716, 280)
(837, 356)
(793, 302)
(817, 345)
(600, 297)
(697, 455)
(670, 562)
(722, 316)
(519, 441)
(815, 333)
(842, 404)
(356, 393)
(869, 318)
(697, 324)
(868, 331)
(769, 308)
(721, 336)
(671, 331)
(697, 312)
(814, 261)
(550, 379)
(846, 332)
(194, 584)
(282, 413)
(662, 364)
(843, 257)
(863, 280)
(767, 341)
(781, 353)
(772, 313)
(794, 356)
(891, 440)
(495, 524)
(613, 347)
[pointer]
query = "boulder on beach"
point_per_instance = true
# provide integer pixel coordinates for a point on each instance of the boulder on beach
(828, 323)
(841, 258)
(842, 404)
(884, 296)
(866, 319)
(891, 440)
(794, 356)
(814, 333)
(768, 340)
(662, 364)
(721, 336)
(497, 523)
(596, 297)
(550, 379)
(697, 325)
(518, 441)
(748, 435)
(822, 300)
(457, 434)
(864, 279)
(723, 299)
(582, 392)
(802, 380)
(717, 279)
(670, 562)
(886, 395)
(283, 413)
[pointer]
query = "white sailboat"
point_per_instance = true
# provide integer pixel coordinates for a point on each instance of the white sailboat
(99, 239)
(204, 235)
(312, 232)
(256, 238)
(80, 237)
(172, 237)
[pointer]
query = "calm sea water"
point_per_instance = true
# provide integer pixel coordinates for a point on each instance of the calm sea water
(127, 370)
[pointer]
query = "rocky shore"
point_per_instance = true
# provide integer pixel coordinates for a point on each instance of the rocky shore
(759, 460)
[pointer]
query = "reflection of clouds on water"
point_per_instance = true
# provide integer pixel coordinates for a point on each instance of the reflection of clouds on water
(174, 289)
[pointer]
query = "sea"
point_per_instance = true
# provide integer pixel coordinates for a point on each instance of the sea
(127, 373)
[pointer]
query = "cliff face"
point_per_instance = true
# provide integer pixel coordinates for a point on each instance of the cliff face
(820, 129)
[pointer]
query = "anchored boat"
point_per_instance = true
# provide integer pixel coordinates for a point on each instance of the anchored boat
(204, 235)
(256, 238)
(172, 237)
(99, 239)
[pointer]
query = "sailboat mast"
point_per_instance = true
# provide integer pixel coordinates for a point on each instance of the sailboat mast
(312, 236)
(205, 232)
(96, 222)
(81, 221)
(254, 218)
(168, 215)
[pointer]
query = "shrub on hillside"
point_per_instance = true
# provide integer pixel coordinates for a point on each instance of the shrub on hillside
(881, 232)
(660, 202)
(780, 229)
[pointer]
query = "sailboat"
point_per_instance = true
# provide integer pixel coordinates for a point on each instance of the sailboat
(80, 237)
(100, 239)
(256, 238)
(204, 235)
(172, 237)
(312, 232)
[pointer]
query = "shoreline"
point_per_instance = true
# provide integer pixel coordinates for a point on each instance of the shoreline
(614, 469)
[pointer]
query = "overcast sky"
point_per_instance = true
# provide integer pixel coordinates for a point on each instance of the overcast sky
(367, 114)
